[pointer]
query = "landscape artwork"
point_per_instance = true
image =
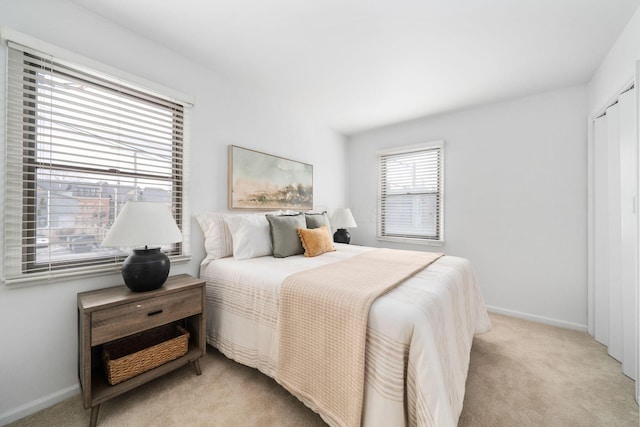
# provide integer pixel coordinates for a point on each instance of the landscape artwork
(263, 181)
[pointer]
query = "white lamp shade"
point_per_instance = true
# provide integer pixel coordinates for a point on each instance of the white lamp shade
(342, 218)
(143, 224)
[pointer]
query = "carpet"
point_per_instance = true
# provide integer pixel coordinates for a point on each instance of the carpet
(521, 374)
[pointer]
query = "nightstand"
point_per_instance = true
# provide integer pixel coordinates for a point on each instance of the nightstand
(105, 315)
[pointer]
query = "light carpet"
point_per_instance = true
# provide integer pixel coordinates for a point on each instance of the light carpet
(521, 374)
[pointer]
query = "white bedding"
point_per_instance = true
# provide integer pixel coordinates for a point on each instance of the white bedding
(418, 338)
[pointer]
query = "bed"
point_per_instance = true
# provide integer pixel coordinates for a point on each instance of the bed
(418, 334)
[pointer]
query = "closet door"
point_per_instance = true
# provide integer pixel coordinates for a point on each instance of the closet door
(601, 233)
(615, 233)
(629, 229)
(615, 155)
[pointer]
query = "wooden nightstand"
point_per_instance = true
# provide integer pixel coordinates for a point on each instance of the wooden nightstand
(107, 314)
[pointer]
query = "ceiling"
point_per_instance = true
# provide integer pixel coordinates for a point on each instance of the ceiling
(360, 64)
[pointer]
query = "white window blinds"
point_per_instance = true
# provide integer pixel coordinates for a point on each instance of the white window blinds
(79, 146)
(410, 194)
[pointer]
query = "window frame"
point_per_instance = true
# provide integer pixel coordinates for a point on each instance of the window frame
(438, 145)
(30, 270)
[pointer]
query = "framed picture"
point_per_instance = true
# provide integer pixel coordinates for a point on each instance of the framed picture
(262, 181)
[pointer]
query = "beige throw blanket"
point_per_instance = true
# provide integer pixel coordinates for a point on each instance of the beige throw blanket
(323, 325)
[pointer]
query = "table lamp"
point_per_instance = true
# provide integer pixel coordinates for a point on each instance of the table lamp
(341, 220)
(144, 224)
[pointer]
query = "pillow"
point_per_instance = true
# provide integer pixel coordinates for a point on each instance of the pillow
(217, 237)
(316, 241)
(250, 235)
(284, 234)
(316, 220)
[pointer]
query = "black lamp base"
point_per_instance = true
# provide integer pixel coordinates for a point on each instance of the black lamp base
(342, 236)
(145, 269)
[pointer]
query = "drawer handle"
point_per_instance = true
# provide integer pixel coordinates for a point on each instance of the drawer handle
(153, 313)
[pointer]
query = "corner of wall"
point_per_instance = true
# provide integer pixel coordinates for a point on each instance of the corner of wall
(617, 69)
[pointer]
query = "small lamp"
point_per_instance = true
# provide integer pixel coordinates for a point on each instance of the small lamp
(341, 220)
(144, 224)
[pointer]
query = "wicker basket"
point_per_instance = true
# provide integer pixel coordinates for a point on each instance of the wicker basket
(130, 356)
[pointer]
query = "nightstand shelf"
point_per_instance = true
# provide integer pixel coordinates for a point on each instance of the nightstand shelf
(108, 314)
(103, 391)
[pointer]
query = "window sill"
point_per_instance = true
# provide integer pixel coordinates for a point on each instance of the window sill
(408, 240)
(76, 273)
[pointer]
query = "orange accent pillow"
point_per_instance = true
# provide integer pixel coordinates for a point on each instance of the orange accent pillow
(316, 241)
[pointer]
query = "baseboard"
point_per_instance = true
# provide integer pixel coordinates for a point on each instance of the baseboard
(539, 319)
(39, 404)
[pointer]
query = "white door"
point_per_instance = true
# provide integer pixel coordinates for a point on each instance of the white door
(615, 222)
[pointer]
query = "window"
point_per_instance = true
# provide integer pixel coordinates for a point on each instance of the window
(81, 144)
(410, 194)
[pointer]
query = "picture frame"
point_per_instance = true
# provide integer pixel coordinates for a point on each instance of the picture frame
(261, 181)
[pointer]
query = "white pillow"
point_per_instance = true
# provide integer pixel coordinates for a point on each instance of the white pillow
(218, 242)
(250, 235)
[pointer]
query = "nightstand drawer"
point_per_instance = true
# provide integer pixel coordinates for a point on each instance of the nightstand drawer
(126, 319)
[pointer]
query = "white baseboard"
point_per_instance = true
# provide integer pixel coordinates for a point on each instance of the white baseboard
(539, 319)
(38, 404)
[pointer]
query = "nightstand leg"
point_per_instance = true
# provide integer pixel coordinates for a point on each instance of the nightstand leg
(196, 365)
(94, 415)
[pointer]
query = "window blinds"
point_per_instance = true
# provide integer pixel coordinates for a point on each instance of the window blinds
(79, 146)
(410, 193)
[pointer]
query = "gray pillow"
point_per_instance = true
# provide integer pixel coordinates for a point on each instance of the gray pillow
(284, 234)
(317, 220)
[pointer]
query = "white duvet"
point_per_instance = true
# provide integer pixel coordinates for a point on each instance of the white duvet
(419, 334)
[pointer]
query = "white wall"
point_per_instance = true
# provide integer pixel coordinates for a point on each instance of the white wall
(617, 69)
(514, 203)
(38, 354)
